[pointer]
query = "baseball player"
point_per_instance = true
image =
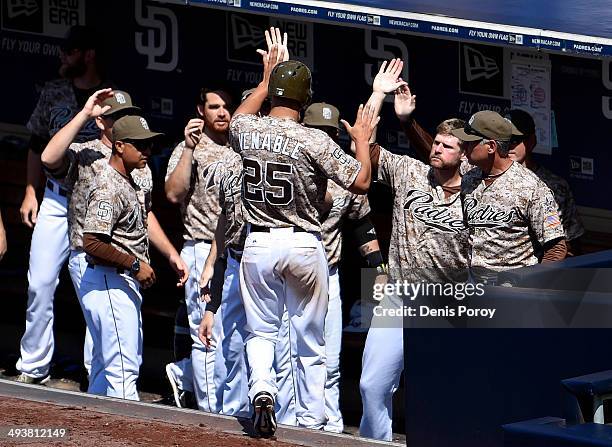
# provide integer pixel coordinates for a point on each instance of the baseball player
(286, 167)
(59, 102)
(512, 215)
(116, 232)
(77, 165)
(192, 181)
(428, 243)
(345, 208)
(227, 326)
(521, 148)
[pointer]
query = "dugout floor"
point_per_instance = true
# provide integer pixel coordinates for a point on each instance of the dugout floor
(102, 421)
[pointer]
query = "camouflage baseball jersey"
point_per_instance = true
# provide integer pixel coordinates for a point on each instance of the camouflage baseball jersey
(507, 217)
(286, 167)
(429, 240)
(568, 213)
(86, 160)
(56, 106)
(345, 204)
(200, 209)
(230, 188)
(117, 207)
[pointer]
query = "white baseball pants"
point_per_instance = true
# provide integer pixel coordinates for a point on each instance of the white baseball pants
(201, 366)
(282, 268)
(286, 353)
(231, 371)
(48, 251)
(381, 369)
(111, 303)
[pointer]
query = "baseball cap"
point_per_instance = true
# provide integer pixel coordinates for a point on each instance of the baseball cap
(132, 127)
(487, 124)
(321, 114)
(81, 38)
(522, 120)
(120, 101)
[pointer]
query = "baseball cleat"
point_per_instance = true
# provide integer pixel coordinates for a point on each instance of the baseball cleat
(33, 380)
(176, 392)
(264, 419)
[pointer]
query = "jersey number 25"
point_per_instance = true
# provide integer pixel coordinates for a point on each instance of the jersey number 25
(268, 183)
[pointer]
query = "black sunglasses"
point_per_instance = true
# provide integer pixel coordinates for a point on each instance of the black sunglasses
(141, 145)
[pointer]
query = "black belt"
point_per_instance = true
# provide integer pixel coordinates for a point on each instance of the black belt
(120, 270)
(57, 189)
(258, 229)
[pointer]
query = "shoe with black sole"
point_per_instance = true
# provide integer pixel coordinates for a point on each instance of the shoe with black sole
(264, 419)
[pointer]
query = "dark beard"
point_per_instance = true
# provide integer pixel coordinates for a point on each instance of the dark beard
(72, 71)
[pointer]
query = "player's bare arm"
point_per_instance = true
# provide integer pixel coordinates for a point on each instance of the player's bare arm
(216, 248)
(365, 123)
(277, 52)
(28, 211)
(54, 154)
(161, 242)
(405, 104)
(179, 181)
(386, 81)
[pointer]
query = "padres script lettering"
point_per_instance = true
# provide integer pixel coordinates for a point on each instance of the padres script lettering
(421, 205)
(486, 216)
(279, 144)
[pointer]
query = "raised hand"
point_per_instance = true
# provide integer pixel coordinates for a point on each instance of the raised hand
(274, 37)
(93, 108)
(365, 123)
(193, 132)
(388, 78)
(404, 103)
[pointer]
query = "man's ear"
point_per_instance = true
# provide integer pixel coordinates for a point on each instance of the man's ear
(492, 146)
(200, 108)
(100, 123)
(119, 147)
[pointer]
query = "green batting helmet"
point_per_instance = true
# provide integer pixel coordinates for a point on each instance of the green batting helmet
(291, 80)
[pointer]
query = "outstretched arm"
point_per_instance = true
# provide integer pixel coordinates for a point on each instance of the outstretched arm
(277, 52)
(360, 133)
(404, 105)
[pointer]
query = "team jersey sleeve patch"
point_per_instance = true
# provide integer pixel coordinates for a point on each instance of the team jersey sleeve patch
(102, 212)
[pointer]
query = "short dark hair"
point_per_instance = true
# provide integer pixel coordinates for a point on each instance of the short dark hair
(445, 127)
(224, 94)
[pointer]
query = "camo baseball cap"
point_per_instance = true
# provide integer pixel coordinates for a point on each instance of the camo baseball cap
(132, 127)
(120, 101)
(321, 114)
(487, 124)
(522, 120)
